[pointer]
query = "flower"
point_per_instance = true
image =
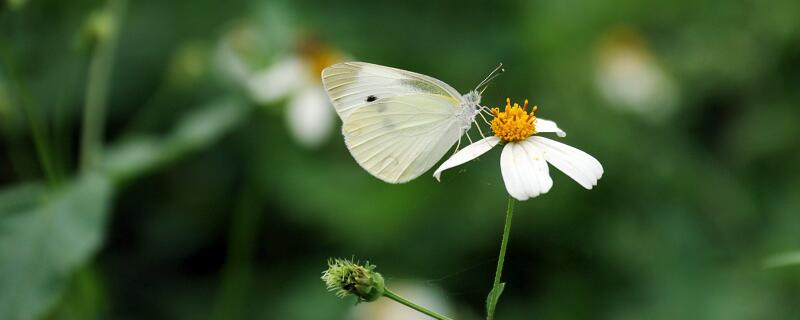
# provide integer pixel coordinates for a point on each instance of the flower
(523, 162)
(630, 77)
(293, 75)
(346, 277)
(308, 112)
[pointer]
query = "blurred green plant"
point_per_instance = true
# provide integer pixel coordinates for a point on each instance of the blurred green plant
(48, 233)
(103, 29)
(45, 235)
(64, 226)
(783, 260)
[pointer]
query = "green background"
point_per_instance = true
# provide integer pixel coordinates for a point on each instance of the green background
(204, 206)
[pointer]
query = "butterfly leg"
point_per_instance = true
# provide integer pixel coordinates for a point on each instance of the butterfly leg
(487, 111)
(484, 119)
(477, 125)
(457, 146)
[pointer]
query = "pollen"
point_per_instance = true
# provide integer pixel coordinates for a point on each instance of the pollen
(514, 123)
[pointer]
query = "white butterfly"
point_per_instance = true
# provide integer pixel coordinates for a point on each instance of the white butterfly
(397, 124)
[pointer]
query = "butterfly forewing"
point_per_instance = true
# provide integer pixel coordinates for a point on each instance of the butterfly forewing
(352, 85)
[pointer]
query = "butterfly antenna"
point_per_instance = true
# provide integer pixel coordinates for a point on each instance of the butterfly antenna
(492, 75)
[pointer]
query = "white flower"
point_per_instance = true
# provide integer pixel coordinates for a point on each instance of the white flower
(294, 77)
(309, 114)
(523, 162)
(630, 78)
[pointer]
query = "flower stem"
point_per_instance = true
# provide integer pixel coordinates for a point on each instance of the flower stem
(22, 99)
(99, 76)
(497, 287)
(391, 295)
(237, 273)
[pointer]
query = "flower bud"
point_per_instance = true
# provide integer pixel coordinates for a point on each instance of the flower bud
(97, 28)
(346, 277)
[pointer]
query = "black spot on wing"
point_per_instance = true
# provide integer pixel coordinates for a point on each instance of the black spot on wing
(371, 98)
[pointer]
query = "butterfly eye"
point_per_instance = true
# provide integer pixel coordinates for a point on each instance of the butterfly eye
(371, 98)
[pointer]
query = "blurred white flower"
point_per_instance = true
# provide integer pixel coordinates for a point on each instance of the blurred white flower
(523, 162)
(629, 77)
(386, 309)
(241, 51)
(293, 76)
(310, 116)
(278, 80)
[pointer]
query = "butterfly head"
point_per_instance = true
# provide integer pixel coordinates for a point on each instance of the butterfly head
(472, 98)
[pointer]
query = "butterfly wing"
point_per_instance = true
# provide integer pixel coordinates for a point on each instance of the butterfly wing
(352, 85)
(398, 138)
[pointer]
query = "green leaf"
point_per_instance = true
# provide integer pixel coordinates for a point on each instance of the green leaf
(43, 242)
(138, 155)
(785, 259)
(83, 298)
(493, 297)
(20, 197)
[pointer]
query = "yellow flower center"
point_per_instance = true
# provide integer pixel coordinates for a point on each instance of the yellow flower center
(514, 123)
(318, 55)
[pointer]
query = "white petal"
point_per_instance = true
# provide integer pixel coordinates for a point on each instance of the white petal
(230, 64)
(466, 154)
(310, 116)
(278, 80)
(541, 172)
(525, 171)
(543, 125)
(576, 164)
(508, 167)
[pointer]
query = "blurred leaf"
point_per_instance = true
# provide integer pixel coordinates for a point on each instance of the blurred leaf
(783, 260)
(42, 242)
(83, 299)
(195, 131)
(20, 197)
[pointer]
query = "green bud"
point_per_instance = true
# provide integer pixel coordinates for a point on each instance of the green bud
(97, 28)
(346, 277)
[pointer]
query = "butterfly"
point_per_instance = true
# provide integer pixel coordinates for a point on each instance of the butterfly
(397, 124)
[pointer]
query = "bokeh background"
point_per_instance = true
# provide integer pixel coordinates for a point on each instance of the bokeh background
(173, 160)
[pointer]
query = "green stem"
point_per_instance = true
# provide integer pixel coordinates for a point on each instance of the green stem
(97, 89)
(497, 287)
(22, 99)
(237, 272)
(391, 295)
(42, 146)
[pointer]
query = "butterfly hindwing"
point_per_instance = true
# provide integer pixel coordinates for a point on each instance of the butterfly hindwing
(398, 138)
